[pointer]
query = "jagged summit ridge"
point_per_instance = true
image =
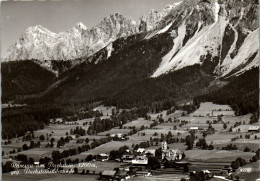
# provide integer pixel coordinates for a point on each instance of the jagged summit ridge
(41, 44)
(78, 42)
(150, 20)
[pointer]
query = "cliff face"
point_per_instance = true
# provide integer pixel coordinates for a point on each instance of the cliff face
(222, 36)
(151, 19)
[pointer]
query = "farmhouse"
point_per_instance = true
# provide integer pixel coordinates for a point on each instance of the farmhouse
(194, 128)
(140, 150)
(143, 173)
(254, 129)
(118, 135)
(56, 121)
(127, 158)
(102, 157)
(70, 122)
(140, 160)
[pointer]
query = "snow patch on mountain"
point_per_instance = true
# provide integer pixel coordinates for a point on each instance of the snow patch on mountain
(109, 50)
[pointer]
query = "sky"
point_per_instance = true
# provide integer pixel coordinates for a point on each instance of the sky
(61, 15)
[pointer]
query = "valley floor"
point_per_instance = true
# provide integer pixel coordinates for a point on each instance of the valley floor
(178, 123)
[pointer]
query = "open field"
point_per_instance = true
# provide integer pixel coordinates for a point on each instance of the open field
(105, 148)
(35, 153)
(150, 132)
(208, 108)
(155, 115)
(222, 137)
(240, 146)
(174, 115)
(233, 119)
(91, 137)
(217, 155)
(241, 128)
(197, 120)
(253, 175)
(138, 123)
(115, 131)
(56, 130)
(218, 127)
(105, 110)
(14, 145)
(201, 126)
(166, 126)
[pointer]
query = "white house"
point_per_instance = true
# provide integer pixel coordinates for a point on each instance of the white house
(140, 150)
(194, 128)
(254, 129)
(102, 157)
(140, 160)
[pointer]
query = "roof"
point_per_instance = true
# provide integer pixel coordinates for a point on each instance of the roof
(127, 156)
(140, 150)
(172, 150)
(253, 128)
(194, 127)
(103, 154)
(141, 157)
(109, 173)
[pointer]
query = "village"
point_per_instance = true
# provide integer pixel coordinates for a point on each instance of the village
(211, 143)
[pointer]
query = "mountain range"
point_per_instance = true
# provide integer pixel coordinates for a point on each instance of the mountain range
(40, 44)
(187, 49)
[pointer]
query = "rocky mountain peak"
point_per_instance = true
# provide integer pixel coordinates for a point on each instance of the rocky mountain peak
(151, 19)
(80, 27)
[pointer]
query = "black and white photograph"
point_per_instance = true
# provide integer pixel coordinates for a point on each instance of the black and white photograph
(138, 90)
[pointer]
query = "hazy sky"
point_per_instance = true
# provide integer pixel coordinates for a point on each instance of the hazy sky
(61, 15)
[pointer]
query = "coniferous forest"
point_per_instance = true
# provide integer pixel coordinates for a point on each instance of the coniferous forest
(242, 93)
